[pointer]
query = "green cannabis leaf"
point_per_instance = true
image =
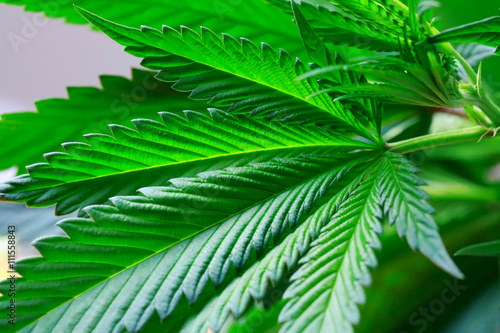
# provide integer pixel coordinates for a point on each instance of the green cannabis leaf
(234, 181)
(157, 150)
(485, 32)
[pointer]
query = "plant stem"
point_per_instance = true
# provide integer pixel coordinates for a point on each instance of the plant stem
(437, 139)
(490, 109)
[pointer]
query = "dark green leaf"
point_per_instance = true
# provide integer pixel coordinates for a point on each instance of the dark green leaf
(490, 249)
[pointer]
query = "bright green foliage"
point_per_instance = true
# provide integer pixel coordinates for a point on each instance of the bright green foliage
(426, 81)
(210, 67)
(417, 75)
(396, 80)
(485, 32)
(389, 14)
(322, 57)
(87, 110)
(271, 203)
(158, 150)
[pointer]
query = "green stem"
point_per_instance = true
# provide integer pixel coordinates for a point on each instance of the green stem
(490, 109)
(438, 139)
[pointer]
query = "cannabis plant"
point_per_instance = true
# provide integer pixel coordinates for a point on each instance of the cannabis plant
(230, 179)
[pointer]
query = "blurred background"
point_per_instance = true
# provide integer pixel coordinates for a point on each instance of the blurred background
(408, 294)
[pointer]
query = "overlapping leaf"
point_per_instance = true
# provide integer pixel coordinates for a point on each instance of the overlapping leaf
(335, 248)
(144, 253)
(389, 14)
(322, 57)
(339, 25)
(210, 67)
(395, 80)
(119, 164)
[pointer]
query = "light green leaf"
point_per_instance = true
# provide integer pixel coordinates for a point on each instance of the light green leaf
(157, 150)
(329, 284)
(485, 32)
(210, 67)
(334, 248)
(330, 281)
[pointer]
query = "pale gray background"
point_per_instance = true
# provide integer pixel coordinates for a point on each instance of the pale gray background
(55, 56)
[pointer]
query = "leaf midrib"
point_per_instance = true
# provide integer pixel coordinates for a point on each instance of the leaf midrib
(277, 149)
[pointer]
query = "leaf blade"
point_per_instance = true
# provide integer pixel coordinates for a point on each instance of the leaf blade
(182, 268)
(485, 32)
(267, 72)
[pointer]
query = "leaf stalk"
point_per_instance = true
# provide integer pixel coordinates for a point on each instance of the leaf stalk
(439, 139)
